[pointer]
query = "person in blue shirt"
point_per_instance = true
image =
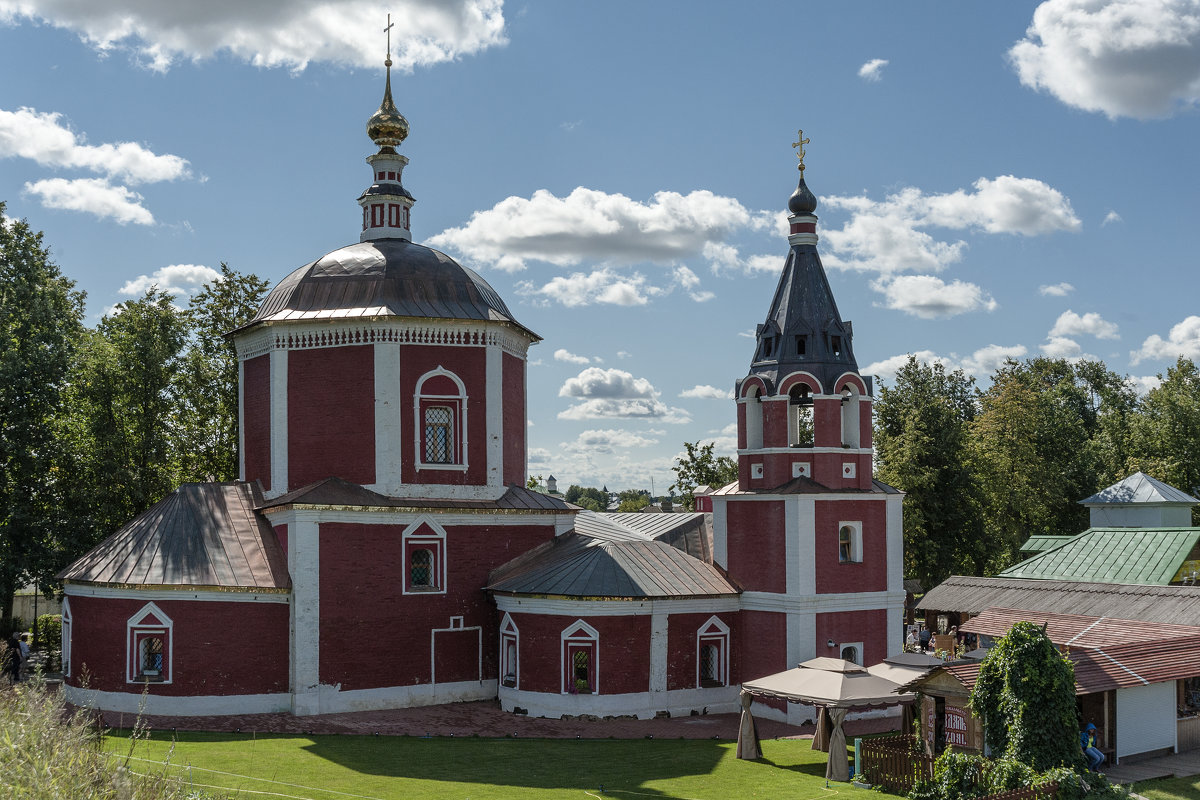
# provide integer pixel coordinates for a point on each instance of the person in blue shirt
(1087, 740)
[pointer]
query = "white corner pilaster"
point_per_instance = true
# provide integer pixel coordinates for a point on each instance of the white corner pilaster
(241, 420)
(720, 533)
(494, 414)
(304, 562)
(388, 444)
(801, 633)
(658, 652)
(279, 423)
(805, 538)
(895, 571)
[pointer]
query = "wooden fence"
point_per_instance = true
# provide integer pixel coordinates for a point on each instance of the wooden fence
(895, 763)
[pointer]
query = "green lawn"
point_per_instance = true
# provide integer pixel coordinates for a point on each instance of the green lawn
(1171, 788)
(386, 767)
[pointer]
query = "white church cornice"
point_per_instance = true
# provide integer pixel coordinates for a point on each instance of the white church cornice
(321, 333)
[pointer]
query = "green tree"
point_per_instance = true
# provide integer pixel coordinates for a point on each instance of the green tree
(1025, 695)
(922, 426)
(534, 482)
(206, 390)
(633, 500)
(40, 320)
(1166, 434)
(699, 467)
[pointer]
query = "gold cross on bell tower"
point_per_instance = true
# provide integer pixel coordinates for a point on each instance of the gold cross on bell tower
(388, 31)
(801, 141)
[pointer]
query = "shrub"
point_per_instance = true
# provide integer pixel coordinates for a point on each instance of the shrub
(49, 635)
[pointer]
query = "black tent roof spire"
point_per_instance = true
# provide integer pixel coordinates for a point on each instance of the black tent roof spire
(803, 329)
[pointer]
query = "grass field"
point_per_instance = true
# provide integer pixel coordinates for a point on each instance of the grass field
(267, 767)
(1171, 788)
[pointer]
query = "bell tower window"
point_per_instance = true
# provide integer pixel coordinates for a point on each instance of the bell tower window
(835, 345)
(754, 418)
(851, 425)
(801, 345)
(800, 416)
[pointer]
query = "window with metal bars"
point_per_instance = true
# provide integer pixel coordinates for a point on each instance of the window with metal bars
(581, 661)
(439, 435)
(152, 656)
(421, 568)
(710, 665)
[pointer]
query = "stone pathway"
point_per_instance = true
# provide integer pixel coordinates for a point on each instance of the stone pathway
(485, 718)
(1176, 765)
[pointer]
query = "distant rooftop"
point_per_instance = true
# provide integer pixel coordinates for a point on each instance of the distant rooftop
(1112, 555)
(1140, 488)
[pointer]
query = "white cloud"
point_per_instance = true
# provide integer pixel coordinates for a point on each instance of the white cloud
(590, 225)
(615, 394)
(1111, 217)
(1091, 324)
(1061, 347)
(603, 285)
(1123, 58)
(887, 368)
(703, 390)
(94, 196)
(606, 442)
(981, 364)
(45, 139)
(1183, 340)
(886, 236)
(174, 279)
(690, 283)
(873, 69)
(1144, 384)
(928, 297)
(273, 33)
(624, 354)
(562, 354)
(538, 455)
(1056, 289)
(986, 360)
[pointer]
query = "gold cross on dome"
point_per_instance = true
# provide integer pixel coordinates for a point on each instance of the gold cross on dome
(800, 144)
(388, 31)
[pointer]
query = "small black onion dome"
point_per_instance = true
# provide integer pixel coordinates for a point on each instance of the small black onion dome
(802, 200)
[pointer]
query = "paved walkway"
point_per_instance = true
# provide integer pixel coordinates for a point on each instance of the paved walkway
(1176, 765)
(485, 718)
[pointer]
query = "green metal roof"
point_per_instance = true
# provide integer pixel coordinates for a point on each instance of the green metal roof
(1042, 542)
(1113, 555)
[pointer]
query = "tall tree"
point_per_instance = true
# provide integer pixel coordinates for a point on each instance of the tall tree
(40, 320)
(700, 467)
(207, 385)
(921, 446)
(1166, 435)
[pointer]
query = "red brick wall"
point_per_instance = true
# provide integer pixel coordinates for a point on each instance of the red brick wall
(331, 415)
(219, 648)
(470, 365)
(373, 635)
(681, 647)
(256, 418)
(844, 627)
(281, 533)
(760, 645)
(624, 652)
(756, 544)
(514, 420)
(834, 576)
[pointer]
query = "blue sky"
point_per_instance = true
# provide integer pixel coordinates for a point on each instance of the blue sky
(1004, 179)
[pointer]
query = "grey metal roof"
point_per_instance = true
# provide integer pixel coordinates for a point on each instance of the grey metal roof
(202, 534)
(1175, 604)
(691, 532)
(601, 559)
(384, 278)
(1140, 488)
(340, 492)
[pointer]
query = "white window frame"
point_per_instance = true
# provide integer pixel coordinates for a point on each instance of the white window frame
(851, 416)
(417, 536)
(510, 633)
(858, 648)
(578, 635)
(458, 411)
(856, 542)
(752, 399)
(713, 632)
(136, 631)
(65, 622)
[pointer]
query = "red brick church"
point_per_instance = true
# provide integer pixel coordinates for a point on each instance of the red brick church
(381, 551)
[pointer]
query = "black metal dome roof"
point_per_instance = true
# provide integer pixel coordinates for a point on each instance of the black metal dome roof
(384, 278)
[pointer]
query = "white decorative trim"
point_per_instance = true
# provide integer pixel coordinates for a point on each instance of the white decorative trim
(563, 607)
(332, 700)
(136, 632)
(510, 632)
(712, 630)
(849, 469)
(581, 634)
(720, 523)
(458, 410)
(795, 451)
(643, 705)
(858, 648)
(756, 470)
(389, 450)
(822, 603)
(241, 431)
(803, 526)
(304, 564)
(455, 628)
(176, 705)
(391, 516)
(436, 543)
(334, 329)
(494, 416)
(801, 469)
(659, 653)
(813, 382)
(279, 424)
(188, 594)
(65, 643)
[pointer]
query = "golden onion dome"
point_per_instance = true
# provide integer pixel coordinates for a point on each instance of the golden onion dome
(387, 127)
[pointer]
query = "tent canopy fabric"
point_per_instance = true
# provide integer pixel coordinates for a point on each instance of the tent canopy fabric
(831, 689)
(831, 665)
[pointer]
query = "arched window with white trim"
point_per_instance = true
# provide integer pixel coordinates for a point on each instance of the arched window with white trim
(580, 659)
(754, 418)
(66, 636)
(440, 421)
(148, 646)
(424, 546)
(800, 416)
(712, 653)
(851, 426)
(510, 653)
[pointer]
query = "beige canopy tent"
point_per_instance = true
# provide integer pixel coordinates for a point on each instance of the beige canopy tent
(831, 683)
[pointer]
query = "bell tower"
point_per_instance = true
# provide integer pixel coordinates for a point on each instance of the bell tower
(803, 409)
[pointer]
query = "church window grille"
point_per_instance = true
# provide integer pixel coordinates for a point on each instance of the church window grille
(712, 653)
(148, 654)
(580, 664)
(421, 569)
(424, 547)
(152, 656)
(850, 653)
(439, 435)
